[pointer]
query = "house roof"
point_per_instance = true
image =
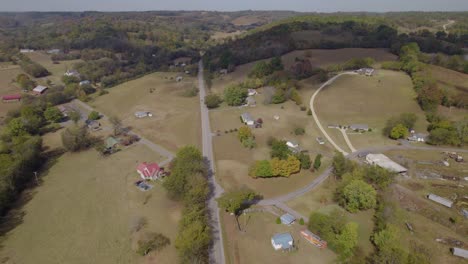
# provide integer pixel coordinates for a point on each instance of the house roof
(293, 142)
(250, 100)
(39, 89)
(440, 200)
(287, 219)
(142, 113)
(111, 142)
(148, 169)
(460, 252)
(284, 239)
(246, 117)
(385, 162)
(12, 97)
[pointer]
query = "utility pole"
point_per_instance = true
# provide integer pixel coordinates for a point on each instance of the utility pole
(35, 175)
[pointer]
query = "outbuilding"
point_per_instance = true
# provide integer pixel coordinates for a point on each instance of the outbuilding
(320, 140)
(359, 127)
(150, 171)
(287, 219)
(85, 82)
(247, 119)
(385, 162)
(251, 92)
(440, 200)
(460, 252)
(11, 98)
(72, 73)
(142, 114)
(282, 241)
(38, 90)
(417, 137)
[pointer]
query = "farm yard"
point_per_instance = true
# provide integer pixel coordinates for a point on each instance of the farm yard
(7, 87)
(257, 229)
(175, 117)
(56, 69)
(88, 203)
(368, 100)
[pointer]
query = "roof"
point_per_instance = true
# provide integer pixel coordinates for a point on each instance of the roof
(284, 239)
(459, 252)
(441, 200)
(148, 169)
(111, 142)
(85, 82)
(385, 162)
(39, 89)
(287, 219)
(359, 126)
(246, 117)
(141, 113)
(250, 100)
(12, 97)
(292, 142)
(93, 123)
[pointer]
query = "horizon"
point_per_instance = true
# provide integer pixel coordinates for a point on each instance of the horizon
(302, 6)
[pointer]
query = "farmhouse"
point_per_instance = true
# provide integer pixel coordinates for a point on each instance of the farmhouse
(385, 162)
(250, 101)
(287, 219)
(72, 73)
(247, 119)
(417, 137)
(293, 146)
(150, 171)
(11, 98)
(142, 114)
(93, 125)
(441, 200)
(38, 90)
(282, 241)
(460, 252)
(359, 127)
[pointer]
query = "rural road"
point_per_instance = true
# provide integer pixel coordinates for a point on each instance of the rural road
(217, 251)
(346, 138)
(155, 147)
(314, 114)
(450, 22)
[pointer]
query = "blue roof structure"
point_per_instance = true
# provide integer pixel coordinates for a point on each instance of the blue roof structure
(284, 239)
(287, 219)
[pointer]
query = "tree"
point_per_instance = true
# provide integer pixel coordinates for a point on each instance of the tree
(53, 114)
(304, 159)
(16, 127)
(317, 161)
(293, 165)
(341, 165)
(75, 116)
(213, 101)
(152, 242)
(261, 69)
(309, 112)
(406, 119)
(262, 169)
(76, 138)
(235, 95)
(299, 131)
(399, 131)
(94, 115)
(279, 149)
(358, 195)
(116, 124)
(347, 240)
(236, 201)
(389, 249)
(244, 132)
(276, 64)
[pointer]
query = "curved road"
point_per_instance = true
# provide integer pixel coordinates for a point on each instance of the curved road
(217, 251)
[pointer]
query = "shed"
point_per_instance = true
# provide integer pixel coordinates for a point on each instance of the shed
(53, 51)
(320, 140)
(26, 50)
(417, 137)
(93, 124)
(85, 82)
(111, 143)
(385, 162)
(179, 78)
(333, 126)
(287, 219)
(292, 144)
(251, 92)
(464, 212)
(142, 114)
(11, 98)
(460, 252)
(247, 119)
(441, 200)
(39, 89)
(359, 127)
(282, 241)
(72, 73)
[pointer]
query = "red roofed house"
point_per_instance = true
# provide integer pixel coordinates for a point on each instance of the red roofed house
(11, 98)
(150, 171)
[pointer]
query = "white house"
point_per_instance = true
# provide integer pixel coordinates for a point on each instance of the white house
(85, 82)
(72, 73)
(292, 144)
(252, 92)
(282, 241)
(247, 119)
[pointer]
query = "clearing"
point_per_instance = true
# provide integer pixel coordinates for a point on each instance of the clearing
(176, 118)
(8, 73)
(357, 99)
(56, 69)
(86, 209)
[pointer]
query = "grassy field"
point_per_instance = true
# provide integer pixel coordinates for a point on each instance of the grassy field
(7, 74)
(369, 100)
(84, 209)
(254, 242)
(176, 119)
(56, 70)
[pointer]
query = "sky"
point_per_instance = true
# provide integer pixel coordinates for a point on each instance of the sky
(235, 5)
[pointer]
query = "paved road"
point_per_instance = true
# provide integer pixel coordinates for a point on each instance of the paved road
(217, 251)
(155, 147)
(314, 114)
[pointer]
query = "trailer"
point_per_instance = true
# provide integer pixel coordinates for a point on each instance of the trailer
(313, 239)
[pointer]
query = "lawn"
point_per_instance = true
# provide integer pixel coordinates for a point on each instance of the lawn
(233, 160)
(56, 70)
(84, 209)
(7, 74)
(369, 100)
(253, 243)
(176, 119)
